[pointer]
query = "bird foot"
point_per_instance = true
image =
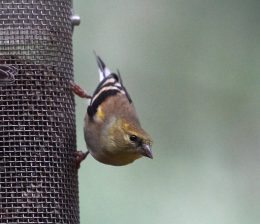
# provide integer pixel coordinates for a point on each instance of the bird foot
(80, 156)
(76, 89)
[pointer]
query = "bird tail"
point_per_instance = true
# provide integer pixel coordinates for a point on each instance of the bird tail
(110, 84)
(102, 68)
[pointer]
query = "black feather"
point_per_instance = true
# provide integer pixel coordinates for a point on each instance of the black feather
(104, 94)
(92, 109)
(101, 64)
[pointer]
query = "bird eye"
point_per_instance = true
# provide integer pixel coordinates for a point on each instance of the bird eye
(133, 138)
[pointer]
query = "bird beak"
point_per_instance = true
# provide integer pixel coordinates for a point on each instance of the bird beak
(147, 151)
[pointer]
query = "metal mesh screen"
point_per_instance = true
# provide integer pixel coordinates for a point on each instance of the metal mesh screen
(38, 176)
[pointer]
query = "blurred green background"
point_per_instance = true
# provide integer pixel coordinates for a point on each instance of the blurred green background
(193, 70)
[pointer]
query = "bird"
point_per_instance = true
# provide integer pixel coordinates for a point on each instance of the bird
(112, 130)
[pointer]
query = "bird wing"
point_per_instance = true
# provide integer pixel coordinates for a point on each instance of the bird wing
(110, 85)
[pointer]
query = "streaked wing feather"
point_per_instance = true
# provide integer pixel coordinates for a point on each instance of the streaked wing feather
(110, 85)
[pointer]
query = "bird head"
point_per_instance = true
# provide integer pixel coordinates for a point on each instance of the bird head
(130, 139)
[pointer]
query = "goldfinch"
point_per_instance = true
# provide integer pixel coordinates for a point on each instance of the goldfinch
(112, 130)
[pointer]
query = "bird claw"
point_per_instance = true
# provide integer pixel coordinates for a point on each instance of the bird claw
(80, 156)
(76, 89)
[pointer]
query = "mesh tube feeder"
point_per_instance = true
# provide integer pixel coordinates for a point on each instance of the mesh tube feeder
(38, 175)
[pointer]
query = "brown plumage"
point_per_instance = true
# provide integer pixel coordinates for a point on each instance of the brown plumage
(113, 133)
(108, 134)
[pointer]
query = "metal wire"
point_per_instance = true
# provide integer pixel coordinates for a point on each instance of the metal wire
(38, 176)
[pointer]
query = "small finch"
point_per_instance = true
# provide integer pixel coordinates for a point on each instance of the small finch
(112, 130)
